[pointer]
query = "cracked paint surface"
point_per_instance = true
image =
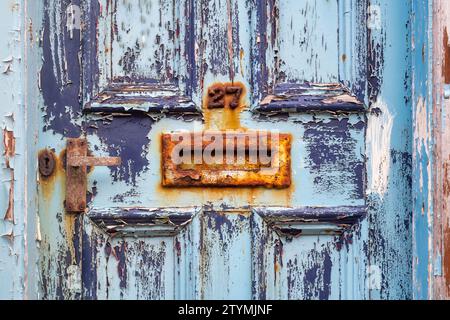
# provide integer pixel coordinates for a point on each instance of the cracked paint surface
(123, 84)
(18, 247)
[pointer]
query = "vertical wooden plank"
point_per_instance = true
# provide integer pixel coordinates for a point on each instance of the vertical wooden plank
(225, 255)
(423, 157)
(389, 149)
(61, 118)
(353, 45)
(12, 149)
(439, 240)
(19, 23)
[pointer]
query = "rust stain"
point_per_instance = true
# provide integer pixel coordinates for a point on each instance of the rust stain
(278, 257)
(30, 31)
(69, 227)
(446, 256)
(241, 61)
(9, 216)
(277, 267)
(235, 197)
(77, 162)
(9, 144)
(446, 180)
(446, 64)
(54, 186)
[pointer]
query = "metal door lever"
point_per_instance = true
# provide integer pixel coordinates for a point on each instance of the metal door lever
(77, 161)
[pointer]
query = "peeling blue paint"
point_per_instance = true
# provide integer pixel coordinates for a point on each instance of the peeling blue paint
(314, 69)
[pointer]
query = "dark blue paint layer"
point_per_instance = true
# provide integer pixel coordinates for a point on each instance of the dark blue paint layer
(125, 137)
(336, 215)
(332, 156)
(61, 90)
(306, 97)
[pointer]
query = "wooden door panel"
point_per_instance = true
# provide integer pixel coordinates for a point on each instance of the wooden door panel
(309, 27)
(138, 56)
(124, 106)
(144, 254)
(272, 48)
(144, 42)
(222, 254)
(145, 70)
(307, 253)
(225, 255)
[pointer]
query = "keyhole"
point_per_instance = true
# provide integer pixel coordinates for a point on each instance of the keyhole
(46, 163)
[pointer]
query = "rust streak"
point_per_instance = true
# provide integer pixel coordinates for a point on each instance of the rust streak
(446, 64)
(446, 256)
(57, 178)
(9, 216)
(9, 143)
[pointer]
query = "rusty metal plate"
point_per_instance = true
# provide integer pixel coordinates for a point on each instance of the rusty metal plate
(76, 177)
(226, 159)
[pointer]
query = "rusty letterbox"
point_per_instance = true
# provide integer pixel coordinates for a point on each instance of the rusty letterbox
(226, 159)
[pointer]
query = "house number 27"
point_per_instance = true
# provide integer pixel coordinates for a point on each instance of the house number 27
(222, 95)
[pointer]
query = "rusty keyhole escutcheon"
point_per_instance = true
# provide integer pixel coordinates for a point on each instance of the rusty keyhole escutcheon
(47, 162)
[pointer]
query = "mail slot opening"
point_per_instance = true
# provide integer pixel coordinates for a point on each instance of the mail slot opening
(228, 155)
(236, 153)
(242, 160)
(219, 159)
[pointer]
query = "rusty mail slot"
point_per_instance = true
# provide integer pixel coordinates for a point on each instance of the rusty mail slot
(226, 159)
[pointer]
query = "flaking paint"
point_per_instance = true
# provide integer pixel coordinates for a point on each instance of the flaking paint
(376, 68)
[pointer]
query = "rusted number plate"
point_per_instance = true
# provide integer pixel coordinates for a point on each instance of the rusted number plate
(226, 159)
(221, 95)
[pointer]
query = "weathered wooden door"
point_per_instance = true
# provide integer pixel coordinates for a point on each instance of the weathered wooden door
(124, 74)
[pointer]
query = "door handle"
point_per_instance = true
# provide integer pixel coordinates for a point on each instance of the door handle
(77, 161)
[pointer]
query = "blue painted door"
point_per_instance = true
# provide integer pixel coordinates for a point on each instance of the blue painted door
(132, 71)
